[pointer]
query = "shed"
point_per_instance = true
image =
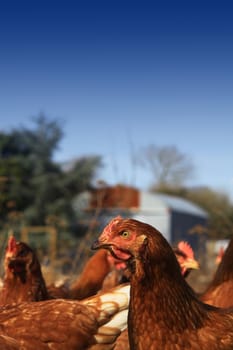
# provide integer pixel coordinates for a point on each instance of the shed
(176, 218)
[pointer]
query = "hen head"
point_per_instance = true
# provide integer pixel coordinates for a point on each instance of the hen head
(18, 257)
(121, 238)
(185, 256)
(139, 245)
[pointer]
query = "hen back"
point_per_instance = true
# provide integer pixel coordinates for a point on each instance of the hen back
(67, 324)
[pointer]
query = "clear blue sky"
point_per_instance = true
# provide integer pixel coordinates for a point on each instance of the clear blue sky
(122, 73)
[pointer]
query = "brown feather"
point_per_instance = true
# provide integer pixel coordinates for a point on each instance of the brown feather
(8, 343)
(220, 290)
(65, 324)
(92, 277)
(23, 279)
(164, 313)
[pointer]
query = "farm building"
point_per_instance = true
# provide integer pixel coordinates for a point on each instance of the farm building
(176, 218)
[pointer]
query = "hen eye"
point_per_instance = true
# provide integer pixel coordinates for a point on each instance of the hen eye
(125, 234)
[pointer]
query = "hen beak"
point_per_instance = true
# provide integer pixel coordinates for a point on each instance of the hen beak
(98, 245)
(192, 264)
(95, 245)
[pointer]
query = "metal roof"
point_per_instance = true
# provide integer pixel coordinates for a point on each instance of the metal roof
(158, 201)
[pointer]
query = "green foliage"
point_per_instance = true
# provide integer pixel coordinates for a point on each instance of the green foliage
(33, 188)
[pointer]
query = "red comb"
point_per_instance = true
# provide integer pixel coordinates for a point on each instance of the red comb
(220, 255)
(11, 244)
(221, 251)
(186, 249)
(113, 222)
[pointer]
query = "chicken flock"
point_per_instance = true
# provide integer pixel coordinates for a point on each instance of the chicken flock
(131, 295)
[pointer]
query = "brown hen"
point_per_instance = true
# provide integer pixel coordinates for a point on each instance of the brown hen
(92, 277)
(164, 313)
(23, 279)
(220, 290)
(94, 323)
(185, 256)
(8, 343)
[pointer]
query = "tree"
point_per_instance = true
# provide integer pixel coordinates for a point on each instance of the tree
(31, 183)
(169, 167)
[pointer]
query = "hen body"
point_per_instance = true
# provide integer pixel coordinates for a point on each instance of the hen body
(164, 313)
(185, 257)
(8, 343)
(220, 290)
(92, 278)
(23, 279)
(93, 323)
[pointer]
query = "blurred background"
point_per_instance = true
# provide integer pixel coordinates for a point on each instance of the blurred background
(99, 99)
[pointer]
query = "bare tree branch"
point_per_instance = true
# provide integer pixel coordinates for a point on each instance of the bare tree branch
(168, 165)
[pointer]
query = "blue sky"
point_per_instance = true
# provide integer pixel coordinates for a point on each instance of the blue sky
(122, 75)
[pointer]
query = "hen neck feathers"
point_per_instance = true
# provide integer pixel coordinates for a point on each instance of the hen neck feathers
(157, 288)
